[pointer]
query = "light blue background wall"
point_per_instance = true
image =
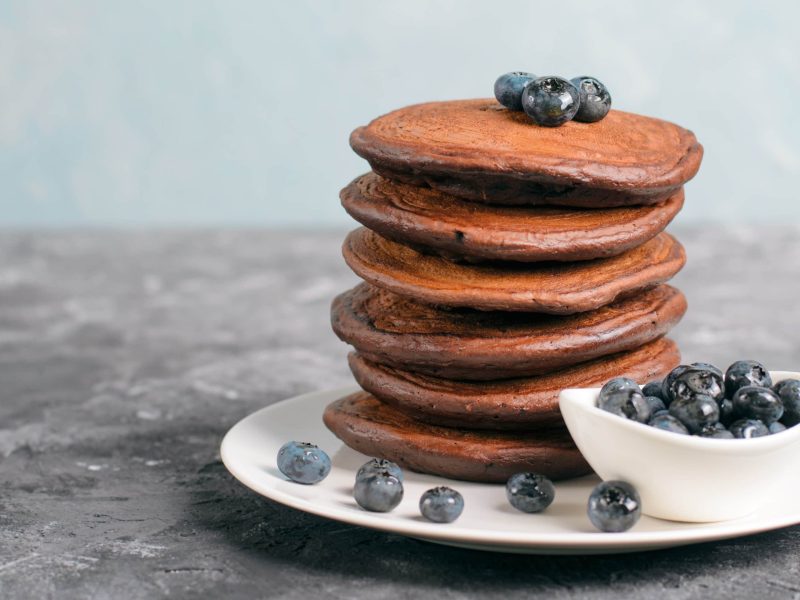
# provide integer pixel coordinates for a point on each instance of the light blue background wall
(200, 112)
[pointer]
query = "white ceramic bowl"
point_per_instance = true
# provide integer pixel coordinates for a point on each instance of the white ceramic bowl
(681, 477)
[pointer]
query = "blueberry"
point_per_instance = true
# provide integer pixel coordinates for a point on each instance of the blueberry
(653, 389)
(753, 402)
(708, 367)
(776, 427)
(530, 492)
(595, 101)
(698, 380)
(614, 506)
(746, 372)
(666, 422)
(508, 88)
(695, 412)
(726, 413)
(622, 397)
(303, 462)
(380, 464)
(666, 385)
(378, 491)
(716, 430)
(789, 392)
(441, 505)
(655, 403)
(550, 101)
(748, 428)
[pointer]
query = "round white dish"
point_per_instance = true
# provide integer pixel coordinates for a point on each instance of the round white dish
(488, 522)
(681, 477)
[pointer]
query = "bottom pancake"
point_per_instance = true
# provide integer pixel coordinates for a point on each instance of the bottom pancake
(521, 403)
(373, 428)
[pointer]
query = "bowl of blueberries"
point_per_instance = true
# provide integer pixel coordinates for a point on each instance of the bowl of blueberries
(699, 446)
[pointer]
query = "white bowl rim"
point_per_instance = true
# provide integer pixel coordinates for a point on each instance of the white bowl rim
(585, 399)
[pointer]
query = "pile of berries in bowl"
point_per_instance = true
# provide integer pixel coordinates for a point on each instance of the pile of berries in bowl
(698, 399)
(699, 446)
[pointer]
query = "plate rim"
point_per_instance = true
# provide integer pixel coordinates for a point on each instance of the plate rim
(590, 541)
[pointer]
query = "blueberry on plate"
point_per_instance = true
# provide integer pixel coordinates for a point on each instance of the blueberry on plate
(654, 388)
(614, 506)
(709, 367)
(717, 431)
(666, 385)
(378, 491)
(380, 464)
(530, 492)
(698, 380)
(726, 413)
(695, 411)
(789, 392)
(508, 88)
(776, 427)
(441, 505)
(748, 428)
(623, 397)
(303, 462)
(746, 372)
(594, 98)
(754, 402)
(666, 422)
(550, 101)
(655, 403)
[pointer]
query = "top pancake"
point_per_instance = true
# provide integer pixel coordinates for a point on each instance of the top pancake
(471, 230)
(555, 288)
(477, 149)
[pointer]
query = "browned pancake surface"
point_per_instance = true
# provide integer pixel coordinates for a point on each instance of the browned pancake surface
(478, 345)
(478, 149)
(375, 429)
(430, 218)
(509, 404)
(557, 288)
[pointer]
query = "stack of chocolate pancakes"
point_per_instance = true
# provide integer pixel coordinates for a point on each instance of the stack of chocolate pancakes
(504, 262)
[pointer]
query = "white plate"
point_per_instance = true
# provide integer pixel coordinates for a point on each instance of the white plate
(488, 522)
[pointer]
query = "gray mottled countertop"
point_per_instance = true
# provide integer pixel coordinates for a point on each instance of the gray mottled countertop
(124, 358)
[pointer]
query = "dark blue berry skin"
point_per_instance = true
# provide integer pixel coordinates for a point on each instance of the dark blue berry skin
(666, 422)
(303, 462)
(614, 506)
(655, 403)
(709, 367)
(698, 380)
(776, 427)
(550, 101)
(753, 402)
(748, 428)
(726, 413)
(441, 505)
(622, 397)
(653, 389)
(695, 412)
(789, 392)
(530, 492)
(595, 101)
(380, 464)
(746, 372)
(666, 386)
(379, 491)
(717, 431)
(508, 88)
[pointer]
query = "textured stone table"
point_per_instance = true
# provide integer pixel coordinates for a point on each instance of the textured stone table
(124, 358)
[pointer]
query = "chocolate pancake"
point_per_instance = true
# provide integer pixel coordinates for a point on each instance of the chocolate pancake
(509, 404)
(453, 227)
(478, 345)
(479, 150)
(557, 288)
(375, 429)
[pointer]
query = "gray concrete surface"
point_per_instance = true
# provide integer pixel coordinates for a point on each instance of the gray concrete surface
(124, 358)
